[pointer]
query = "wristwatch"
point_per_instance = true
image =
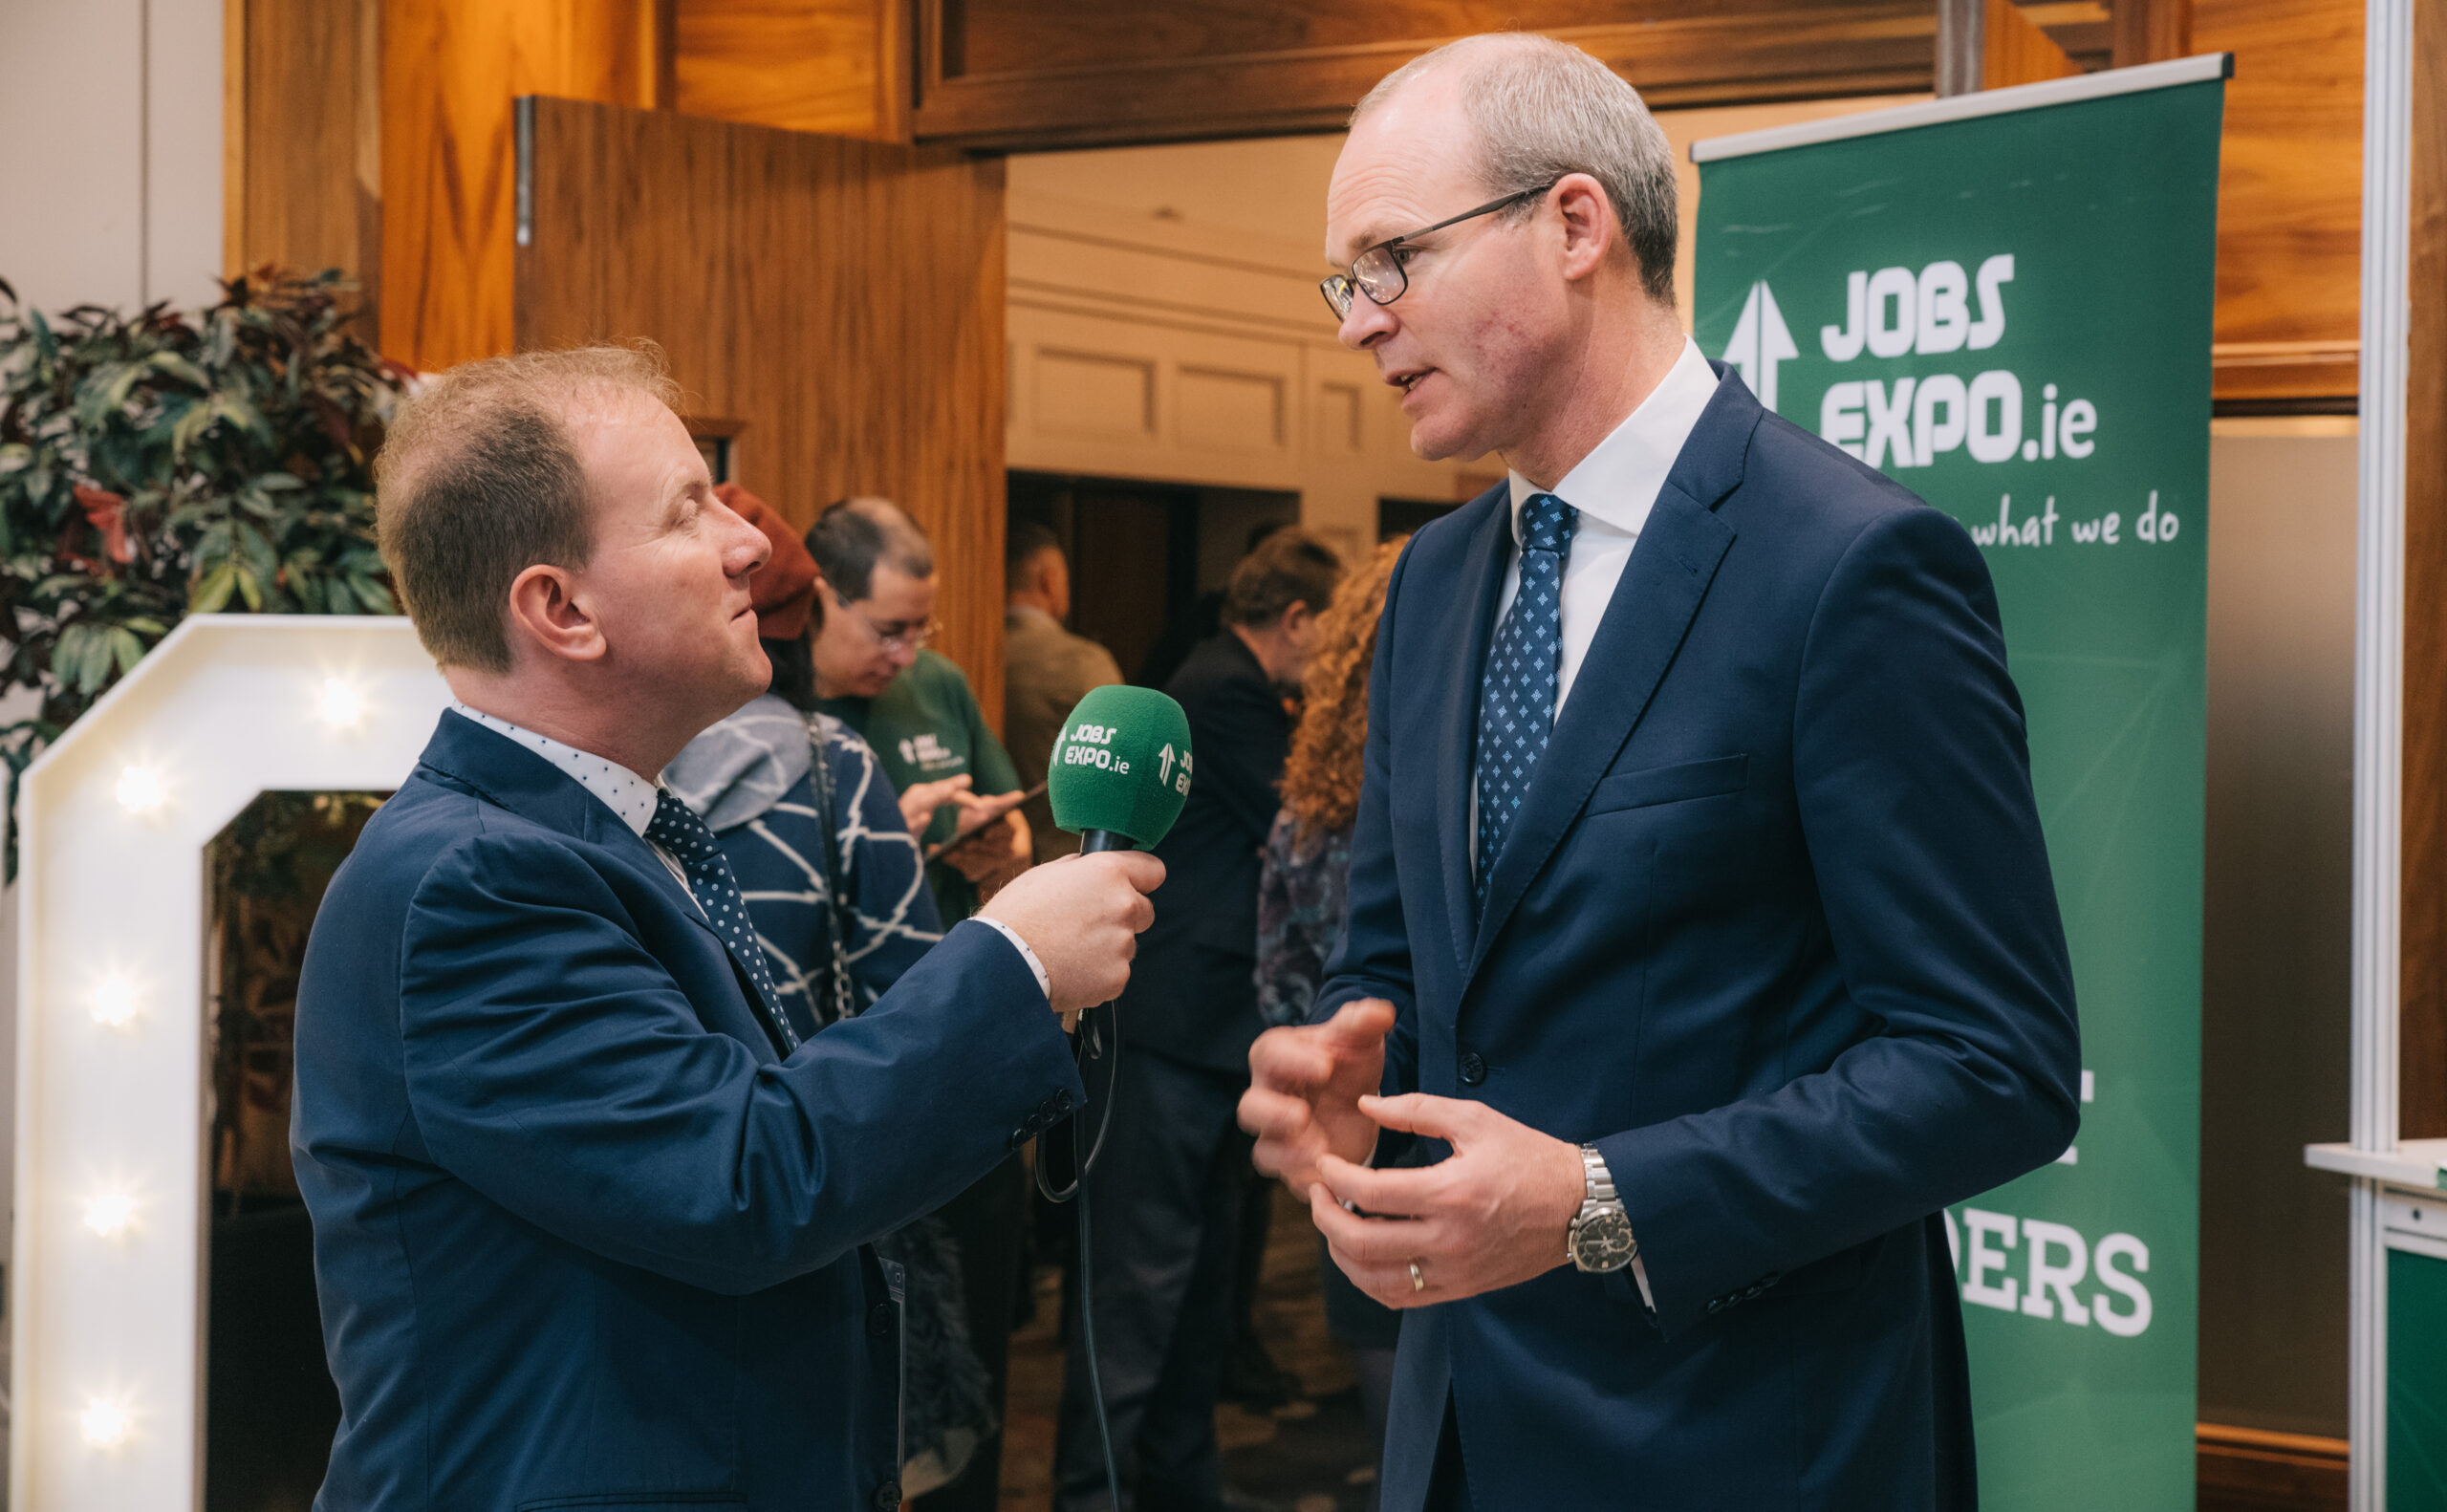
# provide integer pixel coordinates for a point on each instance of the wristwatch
(1600, 1235)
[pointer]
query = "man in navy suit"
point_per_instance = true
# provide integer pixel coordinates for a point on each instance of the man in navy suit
(1701, 932)
(591, 1206)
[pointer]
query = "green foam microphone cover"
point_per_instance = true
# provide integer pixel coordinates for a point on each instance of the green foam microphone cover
(1121, 764)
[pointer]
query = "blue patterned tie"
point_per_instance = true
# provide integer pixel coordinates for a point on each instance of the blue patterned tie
(684, 836)
(1517, 693)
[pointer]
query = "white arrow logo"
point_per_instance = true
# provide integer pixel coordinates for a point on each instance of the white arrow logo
(1760, 340)
(1164, 773)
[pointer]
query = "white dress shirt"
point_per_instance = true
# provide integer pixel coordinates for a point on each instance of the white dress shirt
(633, 798)
(1613, 487)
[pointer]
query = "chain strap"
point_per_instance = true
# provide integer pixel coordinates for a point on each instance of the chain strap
(839, 999)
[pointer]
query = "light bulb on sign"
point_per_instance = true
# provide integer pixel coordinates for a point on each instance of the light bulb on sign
(141, 790)
(113, 1002)
(110, 1213)
(339, 704)
(106, 1423)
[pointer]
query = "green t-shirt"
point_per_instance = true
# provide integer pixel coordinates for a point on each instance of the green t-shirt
(924, 727)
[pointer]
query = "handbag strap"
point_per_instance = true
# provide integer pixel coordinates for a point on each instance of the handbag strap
(840, 993)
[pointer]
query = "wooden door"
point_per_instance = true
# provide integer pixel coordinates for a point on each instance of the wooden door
(837, 304)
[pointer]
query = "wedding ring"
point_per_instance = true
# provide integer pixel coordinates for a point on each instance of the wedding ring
(1418, 1283)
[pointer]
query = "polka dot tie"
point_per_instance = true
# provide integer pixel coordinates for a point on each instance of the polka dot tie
(684, 836)
(1517, 692)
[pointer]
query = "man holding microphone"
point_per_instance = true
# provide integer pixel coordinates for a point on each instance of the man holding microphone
(591, 1207)
(1699, 920)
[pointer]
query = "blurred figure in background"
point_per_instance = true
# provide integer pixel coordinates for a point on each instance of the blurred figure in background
(837, 895)
(1302, 891)
(870, 669)
(1046, 669)
(1169, 1189)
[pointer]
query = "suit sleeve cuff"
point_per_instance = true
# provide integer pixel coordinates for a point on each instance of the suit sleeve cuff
(1036, 968)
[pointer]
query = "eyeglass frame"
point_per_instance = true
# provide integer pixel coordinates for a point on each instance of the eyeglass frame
(1348, 281)
(914, 638)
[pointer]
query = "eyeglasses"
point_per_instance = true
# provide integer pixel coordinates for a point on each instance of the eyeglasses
(1379, 272)
(902, 638)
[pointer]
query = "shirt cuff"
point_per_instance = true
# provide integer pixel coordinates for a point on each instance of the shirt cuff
(1639, 1273)
(1036, 968)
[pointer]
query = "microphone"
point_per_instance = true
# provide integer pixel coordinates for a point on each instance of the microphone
(1119, 772)
(1120, 769)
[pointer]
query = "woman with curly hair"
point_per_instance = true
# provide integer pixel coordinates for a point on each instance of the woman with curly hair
(1302, 893)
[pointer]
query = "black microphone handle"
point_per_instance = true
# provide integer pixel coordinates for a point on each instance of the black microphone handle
(1093, 841)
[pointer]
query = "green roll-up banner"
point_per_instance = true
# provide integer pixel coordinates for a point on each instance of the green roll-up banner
(2004, 301)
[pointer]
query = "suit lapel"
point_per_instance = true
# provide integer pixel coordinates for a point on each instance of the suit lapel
(508, 776)
(1662, 588)
(1470, 621)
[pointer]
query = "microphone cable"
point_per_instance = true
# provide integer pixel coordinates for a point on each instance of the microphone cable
(1091, 1047)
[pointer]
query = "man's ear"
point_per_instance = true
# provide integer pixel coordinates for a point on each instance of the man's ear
(1590, 227)
(546, 613)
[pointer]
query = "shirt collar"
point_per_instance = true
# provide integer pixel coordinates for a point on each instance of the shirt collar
(624, 792)
(1617, 482)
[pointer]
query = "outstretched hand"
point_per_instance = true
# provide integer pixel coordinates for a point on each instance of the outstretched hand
(1306, 1083)
(1492, 1216)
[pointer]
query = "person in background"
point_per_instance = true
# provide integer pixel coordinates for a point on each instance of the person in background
(1303, 885)
(876, 571)
(1190, 625)
(1047, 669)
(871, 670)
(836, 893)
(1169, 1189)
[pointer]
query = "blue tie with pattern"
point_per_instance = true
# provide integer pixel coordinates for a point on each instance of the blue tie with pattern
(1517, 693)
(684, 836)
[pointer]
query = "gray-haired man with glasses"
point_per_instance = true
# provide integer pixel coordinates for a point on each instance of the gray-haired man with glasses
(1701, 946)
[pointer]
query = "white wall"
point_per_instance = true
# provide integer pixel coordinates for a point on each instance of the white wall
(1166, 324)
(110, 151)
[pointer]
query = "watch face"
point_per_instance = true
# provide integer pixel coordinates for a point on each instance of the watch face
(1602, 1241)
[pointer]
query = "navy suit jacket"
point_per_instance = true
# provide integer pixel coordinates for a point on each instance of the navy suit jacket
(583, 1237)
(1775, 931)
(1194, 994)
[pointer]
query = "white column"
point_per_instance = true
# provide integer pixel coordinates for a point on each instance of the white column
(2387, 190)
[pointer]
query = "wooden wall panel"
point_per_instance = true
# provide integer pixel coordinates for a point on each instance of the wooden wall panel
(303, 125)
(1006, 73)
(2289, 195)
(837, 66)
(2421, 1034)
(2015, 50)
(844, 299)
(451, 72)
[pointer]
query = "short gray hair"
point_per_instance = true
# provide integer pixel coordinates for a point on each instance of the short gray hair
(1543, 108)
(852, 535)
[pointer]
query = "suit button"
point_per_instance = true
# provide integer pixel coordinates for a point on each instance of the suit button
(1061, 1102)
(888, 1497)
(1474, 1069)
(879, 1320)
(1022, 1136)
(1716, 1305)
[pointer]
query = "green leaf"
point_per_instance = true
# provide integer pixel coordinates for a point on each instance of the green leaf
(126, 650)
(212, 590)
(375, 597)
(190, 426)
(180, 368)
(251, 589)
